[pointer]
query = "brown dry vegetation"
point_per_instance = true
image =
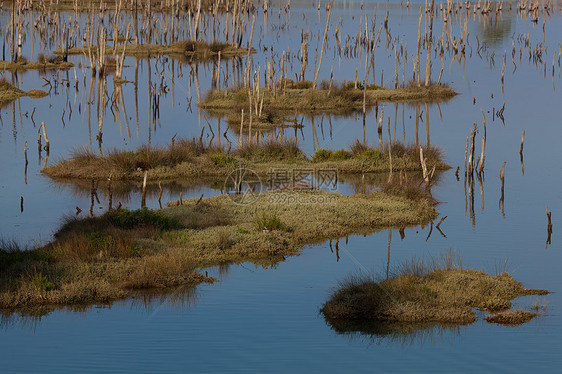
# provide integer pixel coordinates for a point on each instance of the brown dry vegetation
(99, 259)
(299, 96)
(197, 51)
(511, 317)
(157, 5)
(440, 293)
(190, 158)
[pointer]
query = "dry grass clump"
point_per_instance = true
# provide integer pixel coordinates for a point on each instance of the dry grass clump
(419, 292)
(511, 317)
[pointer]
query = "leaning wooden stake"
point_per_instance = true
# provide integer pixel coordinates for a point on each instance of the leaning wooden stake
(522, 141)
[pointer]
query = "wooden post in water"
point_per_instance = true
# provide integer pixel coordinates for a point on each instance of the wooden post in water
(322, 48)
(428, 62)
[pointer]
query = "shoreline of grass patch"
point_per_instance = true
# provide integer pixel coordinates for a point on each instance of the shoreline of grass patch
(289, 96)
(190, 159)
(436, 294)
(101, 259)
(195, 51)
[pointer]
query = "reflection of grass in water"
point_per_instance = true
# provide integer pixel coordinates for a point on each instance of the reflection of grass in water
(494, 32)
(188, 50)
(181, 297)
(374, 332)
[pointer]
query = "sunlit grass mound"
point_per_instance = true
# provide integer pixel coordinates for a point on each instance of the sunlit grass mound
(420, 294)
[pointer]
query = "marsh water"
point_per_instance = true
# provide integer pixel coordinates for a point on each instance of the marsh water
(257, 319)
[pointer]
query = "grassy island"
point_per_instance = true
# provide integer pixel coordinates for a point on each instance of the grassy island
(100, 259)
(441, 295)
(190, 158)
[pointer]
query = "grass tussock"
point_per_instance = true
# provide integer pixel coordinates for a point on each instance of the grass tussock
(100, 259)
(340, 98)
(190, 158)
(511, 317)
(435, 292)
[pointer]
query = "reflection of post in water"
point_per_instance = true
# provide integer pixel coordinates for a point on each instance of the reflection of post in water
(471, 199)
(549, 227)
(417, 123)
(395, 120)
(149, 101)
(427, 125)
(388, 253)
(521, 153)
(380, 129)
(314, 136)
(100, 111)
(93, 196)
(481, 184)
(136, 89)
(26, 162)
(337, 249)
(502, 178)
(90, 88)
(364, 136)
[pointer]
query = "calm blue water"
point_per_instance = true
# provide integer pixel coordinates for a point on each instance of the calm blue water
(256, 319)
